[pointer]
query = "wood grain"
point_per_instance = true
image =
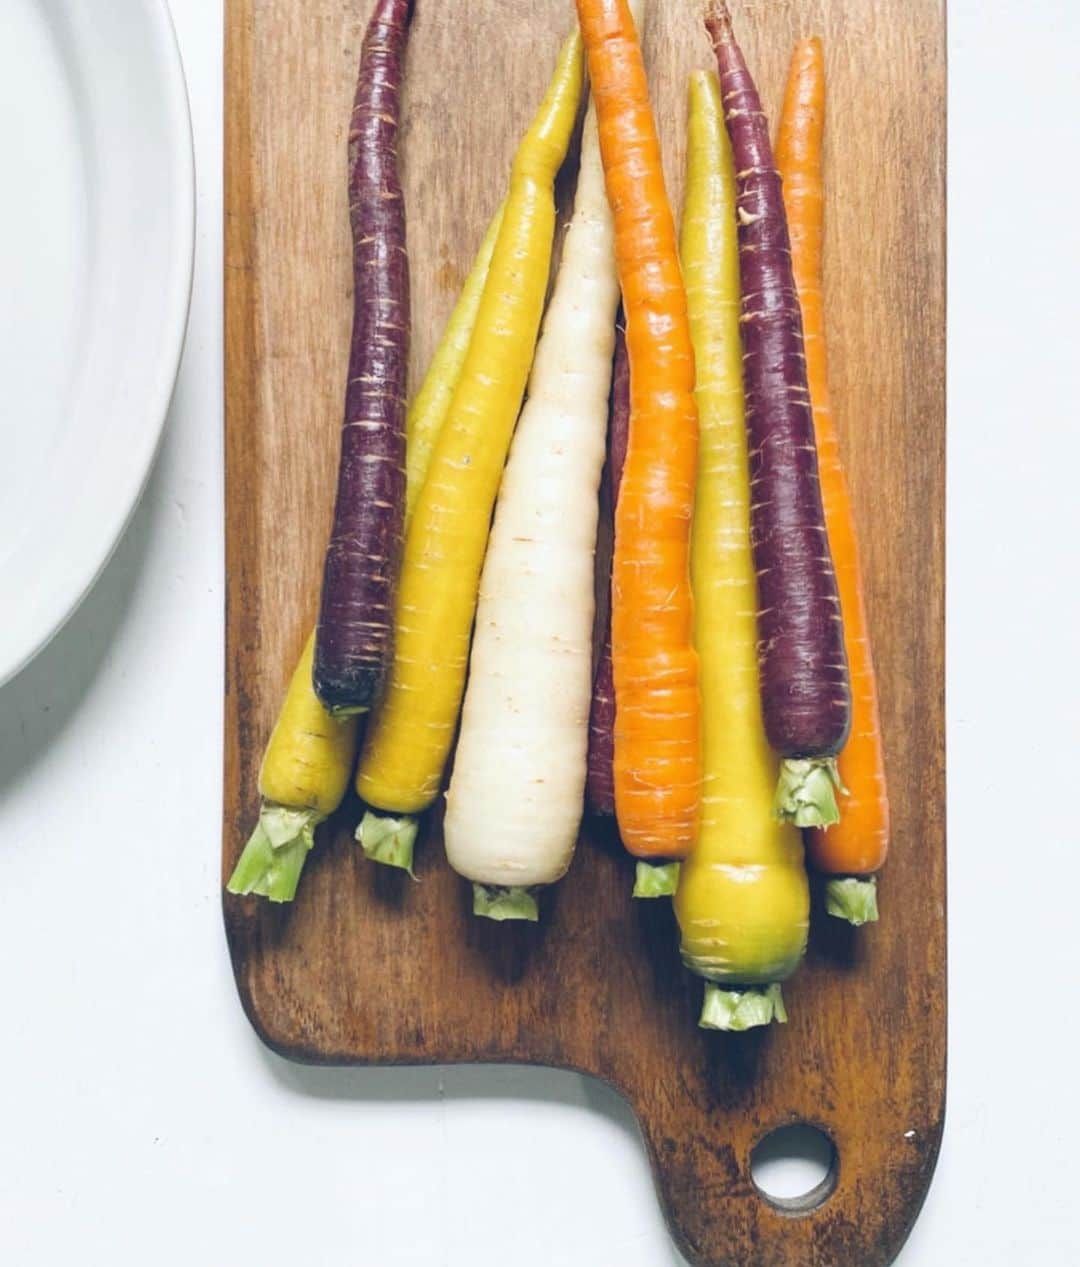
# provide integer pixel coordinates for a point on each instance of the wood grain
(368, 968)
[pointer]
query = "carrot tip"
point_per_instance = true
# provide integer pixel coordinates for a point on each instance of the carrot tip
(852, 899)
(736, 1011)
(806, 792)
(499, 903)
(275, 854)
(656, 879)
(718, 19)
(388, 840)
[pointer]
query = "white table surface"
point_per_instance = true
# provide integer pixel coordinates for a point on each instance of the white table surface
(142, 1122)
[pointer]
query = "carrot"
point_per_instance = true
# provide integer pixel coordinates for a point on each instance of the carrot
(743, 899)
(804, 677)
(304, 775)
(411, 731)
(857, 846)
(514, 804)
(429, 408)
(600, 784)
(657, 759)
(354, 637)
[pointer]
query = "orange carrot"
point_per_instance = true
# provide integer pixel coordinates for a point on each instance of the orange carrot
(857, 845)
(657, 764)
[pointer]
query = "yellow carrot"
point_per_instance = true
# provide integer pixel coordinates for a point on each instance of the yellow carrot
(742, 900)
(411, 732)
(304, 774)
(428, 411)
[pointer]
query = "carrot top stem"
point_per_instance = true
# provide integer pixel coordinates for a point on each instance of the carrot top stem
(853, 899)
(656, 879)
(500, 903)
(389, 840)
(806, 791)
(739, 1010)
(274, 857)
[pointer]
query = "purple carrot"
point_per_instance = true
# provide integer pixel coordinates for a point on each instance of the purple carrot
(600, 785)
(354, 639)
(805, 692)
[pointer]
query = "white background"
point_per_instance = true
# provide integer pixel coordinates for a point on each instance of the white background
(140, 1120)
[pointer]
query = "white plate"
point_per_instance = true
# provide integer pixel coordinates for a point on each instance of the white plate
(97, 219)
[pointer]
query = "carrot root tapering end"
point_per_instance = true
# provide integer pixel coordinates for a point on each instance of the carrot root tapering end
(718, 20)
(852, 899)
(388, 840)
(275, 854)
(501, 903)
(806, 792)
(735, 1011)
(653, 879)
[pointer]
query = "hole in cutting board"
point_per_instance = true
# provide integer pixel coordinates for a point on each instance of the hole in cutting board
(794, 1168)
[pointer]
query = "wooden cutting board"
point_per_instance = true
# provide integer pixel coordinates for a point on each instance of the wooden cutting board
(369, 968)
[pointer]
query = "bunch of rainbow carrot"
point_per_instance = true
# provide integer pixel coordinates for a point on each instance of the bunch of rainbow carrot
(734, 705)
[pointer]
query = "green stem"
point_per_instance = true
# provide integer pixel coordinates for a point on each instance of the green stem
(389, 839)
(853, 899)
(274, 856)
(347, 711)
(806, 792)
(656, 879)
(499, 903)
(738, 1010)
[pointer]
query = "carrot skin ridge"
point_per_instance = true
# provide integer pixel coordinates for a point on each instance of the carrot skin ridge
(354, 637)
(804, 675)
(656, 879)
(657, 747)
(600, 784)
(853, 899)
(500, 904)
(429, 407)
(859, 843)
(736, 1011)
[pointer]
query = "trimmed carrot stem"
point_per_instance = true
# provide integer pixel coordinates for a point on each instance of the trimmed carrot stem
(429, 408)
(857, 846)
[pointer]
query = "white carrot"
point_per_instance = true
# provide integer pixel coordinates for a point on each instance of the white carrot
(515, 799)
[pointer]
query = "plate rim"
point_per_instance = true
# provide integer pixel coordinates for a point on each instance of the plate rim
(175, 311)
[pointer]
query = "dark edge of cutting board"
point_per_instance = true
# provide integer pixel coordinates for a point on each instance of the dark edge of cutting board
(368, 968)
